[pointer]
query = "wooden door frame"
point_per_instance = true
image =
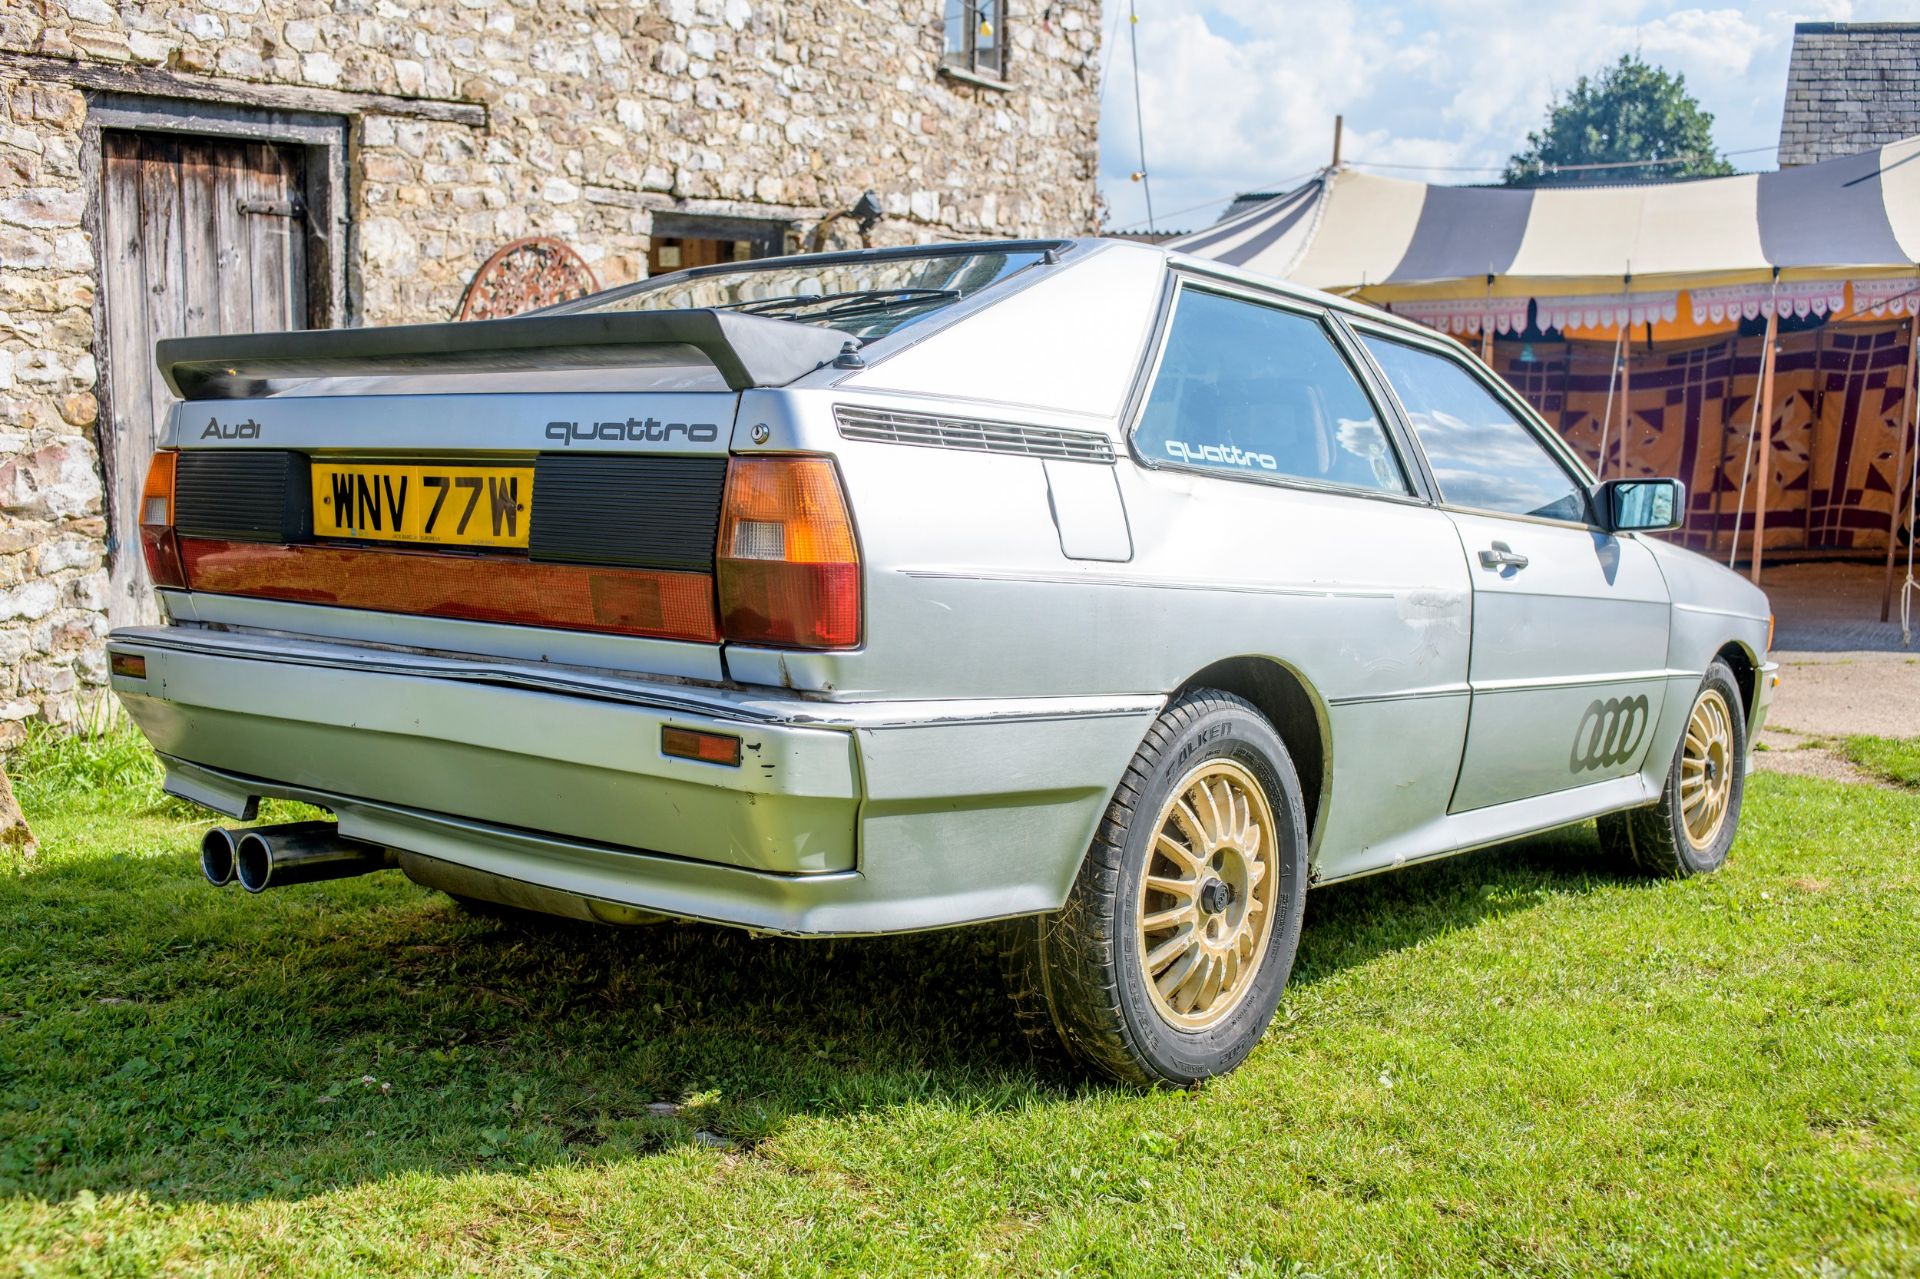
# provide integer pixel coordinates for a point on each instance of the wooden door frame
(323, 140)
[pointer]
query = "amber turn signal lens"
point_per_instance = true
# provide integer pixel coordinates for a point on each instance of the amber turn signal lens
(130, 665)
(789, 569)
(708, 748)
(157, 541)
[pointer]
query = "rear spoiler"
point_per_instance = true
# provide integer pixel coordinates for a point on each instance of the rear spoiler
(748, 350)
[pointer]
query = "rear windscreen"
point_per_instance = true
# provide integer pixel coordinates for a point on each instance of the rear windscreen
(865, 298)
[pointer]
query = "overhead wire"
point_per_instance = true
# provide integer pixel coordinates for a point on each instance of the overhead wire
(1229, 195)
(1560, 168)
(1139, 116)
(1113, 29)
(1383, 164)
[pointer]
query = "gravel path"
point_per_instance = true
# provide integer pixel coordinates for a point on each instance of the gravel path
(1839, 694)
(1823, 696)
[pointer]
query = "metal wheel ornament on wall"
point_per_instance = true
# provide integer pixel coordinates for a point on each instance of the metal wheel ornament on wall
(524, 276)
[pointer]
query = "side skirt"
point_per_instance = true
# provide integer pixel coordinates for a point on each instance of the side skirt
(1484, 827)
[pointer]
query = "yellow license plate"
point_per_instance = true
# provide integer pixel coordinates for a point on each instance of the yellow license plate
(447, 505)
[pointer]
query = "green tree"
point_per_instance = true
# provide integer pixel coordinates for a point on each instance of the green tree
(1629, 112)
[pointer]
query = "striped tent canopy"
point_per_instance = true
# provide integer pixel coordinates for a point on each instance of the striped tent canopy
(1594, 248)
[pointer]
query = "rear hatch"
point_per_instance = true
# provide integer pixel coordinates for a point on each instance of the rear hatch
(447, 486)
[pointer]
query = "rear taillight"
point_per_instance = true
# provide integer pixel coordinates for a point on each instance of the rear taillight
(157, 540)
(788, 567)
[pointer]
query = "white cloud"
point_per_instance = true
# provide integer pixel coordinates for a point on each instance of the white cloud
(1238, 94)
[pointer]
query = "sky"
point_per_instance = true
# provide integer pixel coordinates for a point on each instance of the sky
(1240, 94)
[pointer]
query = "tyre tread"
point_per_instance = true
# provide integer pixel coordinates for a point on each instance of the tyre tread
(1061, 967)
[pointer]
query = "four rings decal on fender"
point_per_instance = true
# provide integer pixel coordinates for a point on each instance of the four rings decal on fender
(1610, 733)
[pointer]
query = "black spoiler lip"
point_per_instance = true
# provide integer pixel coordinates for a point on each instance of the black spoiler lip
(747, 350)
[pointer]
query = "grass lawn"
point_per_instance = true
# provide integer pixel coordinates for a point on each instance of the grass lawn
(1514, 1061)
(1895, 759)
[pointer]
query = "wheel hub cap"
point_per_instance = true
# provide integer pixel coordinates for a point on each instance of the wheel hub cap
(1206, 900)
(1706, 773)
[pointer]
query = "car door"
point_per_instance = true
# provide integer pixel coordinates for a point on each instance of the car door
(1569, 650)
(1276, 490)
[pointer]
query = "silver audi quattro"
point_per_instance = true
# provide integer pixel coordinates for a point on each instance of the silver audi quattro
(1110, 595)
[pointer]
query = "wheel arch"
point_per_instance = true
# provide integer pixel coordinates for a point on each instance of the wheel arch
(1295, 710)
(1746, 673)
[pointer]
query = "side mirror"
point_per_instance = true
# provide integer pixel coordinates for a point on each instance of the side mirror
(1641, 506)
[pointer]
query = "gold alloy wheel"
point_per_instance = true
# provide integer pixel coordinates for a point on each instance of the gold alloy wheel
(1706, 769)
(1206, 900)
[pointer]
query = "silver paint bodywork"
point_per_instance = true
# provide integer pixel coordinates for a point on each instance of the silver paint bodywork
(1025, 618)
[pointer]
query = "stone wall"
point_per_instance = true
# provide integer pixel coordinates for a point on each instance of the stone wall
(597, 117)
(53, 583)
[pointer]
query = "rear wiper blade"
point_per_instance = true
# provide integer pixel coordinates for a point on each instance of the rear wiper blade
(839, 305)
(854, 308)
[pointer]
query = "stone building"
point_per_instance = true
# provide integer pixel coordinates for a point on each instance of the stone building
(1851, 86)
(192, 166)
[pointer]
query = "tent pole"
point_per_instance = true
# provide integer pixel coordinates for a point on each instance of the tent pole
(1813, 427)
(1720, 457)
(1606, 413)
(1900, 468)
(1764, 463)
(1746, 462)
(1626, 395)
(1566, 391)
(1486, 325)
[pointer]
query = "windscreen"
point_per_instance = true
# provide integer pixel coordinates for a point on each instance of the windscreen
(865, 298)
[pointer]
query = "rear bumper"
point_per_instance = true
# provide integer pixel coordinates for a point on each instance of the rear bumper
(844, 817)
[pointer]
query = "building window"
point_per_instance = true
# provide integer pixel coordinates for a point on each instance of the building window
(679, 241)
(976, 37)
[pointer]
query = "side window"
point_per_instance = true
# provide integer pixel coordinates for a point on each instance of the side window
(1254, 390)
(1481, 454)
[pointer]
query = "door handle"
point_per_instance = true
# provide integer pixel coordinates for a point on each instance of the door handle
(1502, 556)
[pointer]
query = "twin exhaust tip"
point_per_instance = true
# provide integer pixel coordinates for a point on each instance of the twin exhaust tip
(219, 850)
(295, 853)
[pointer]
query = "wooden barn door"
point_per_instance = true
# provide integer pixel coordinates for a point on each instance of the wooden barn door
(201, 235)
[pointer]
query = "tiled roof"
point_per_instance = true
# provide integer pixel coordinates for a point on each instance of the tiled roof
(1851, 86)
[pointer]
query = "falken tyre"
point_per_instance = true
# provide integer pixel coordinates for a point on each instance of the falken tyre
(1693, 826)
(1084, 975)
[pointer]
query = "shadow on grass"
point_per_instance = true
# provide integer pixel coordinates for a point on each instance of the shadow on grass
(1351, 923)
(160, 1036)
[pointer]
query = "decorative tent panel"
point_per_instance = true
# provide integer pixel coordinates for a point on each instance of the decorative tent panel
(1462, 315)
(1879, 298)
(1838, 400)
(1866, 300)
(1748, 301)
(1607, 310)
